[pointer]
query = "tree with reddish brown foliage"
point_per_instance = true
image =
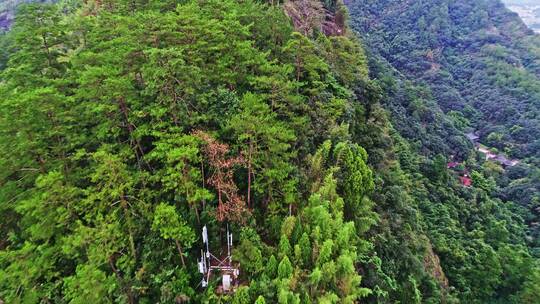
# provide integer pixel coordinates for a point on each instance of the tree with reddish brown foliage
(231, 206)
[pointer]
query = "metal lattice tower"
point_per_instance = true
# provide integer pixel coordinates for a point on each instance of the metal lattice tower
(209, 263)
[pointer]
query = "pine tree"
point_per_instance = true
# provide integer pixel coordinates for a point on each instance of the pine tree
(268, 152)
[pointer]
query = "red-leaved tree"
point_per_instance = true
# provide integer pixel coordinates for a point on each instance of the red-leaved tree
(231, 206)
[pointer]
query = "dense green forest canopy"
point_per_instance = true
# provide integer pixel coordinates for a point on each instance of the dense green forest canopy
(127, 126)
(477, 57)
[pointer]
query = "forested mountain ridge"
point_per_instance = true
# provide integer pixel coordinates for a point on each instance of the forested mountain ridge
(481, 66)
(127, 126)
(477, 57)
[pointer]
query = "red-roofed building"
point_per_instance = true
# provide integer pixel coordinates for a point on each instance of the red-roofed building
(465, 181)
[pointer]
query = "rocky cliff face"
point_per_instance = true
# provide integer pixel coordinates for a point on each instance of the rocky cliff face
(5, 21)
(6, 14)
(7, 11)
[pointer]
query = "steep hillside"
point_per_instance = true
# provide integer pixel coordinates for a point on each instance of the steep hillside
(477, 57)
(482, 67)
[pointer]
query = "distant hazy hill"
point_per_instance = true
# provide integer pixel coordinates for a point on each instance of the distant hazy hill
(528, 10)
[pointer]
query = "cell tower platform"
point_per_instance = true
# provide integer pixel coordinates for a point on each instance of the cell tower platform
(210, 264)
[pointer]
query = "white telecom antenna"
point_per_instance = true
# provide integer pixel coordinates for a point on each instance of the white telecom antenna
(209, 262)
(205, 237)
(229, 243)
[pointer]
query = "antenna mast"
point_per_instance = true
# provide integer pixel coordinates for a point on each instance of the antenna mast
(225, 266)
